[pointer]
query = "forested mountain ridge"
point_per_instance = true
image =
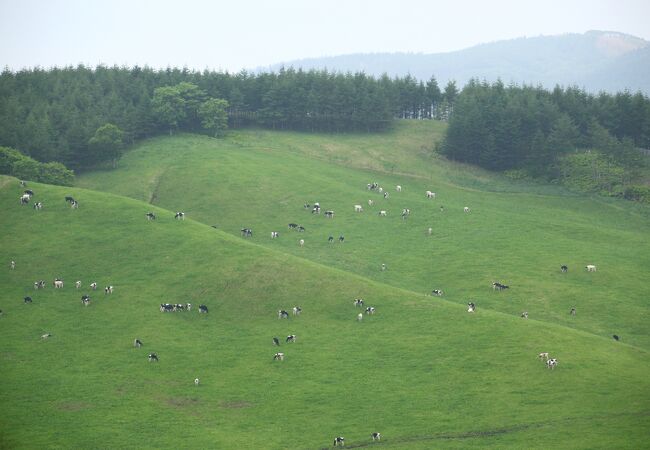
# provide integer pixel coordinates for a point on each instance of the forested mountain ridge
(595, 61)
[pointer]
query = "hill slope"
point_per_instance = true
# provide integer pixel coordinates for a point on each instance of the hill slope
(568, 59)
(420, 370)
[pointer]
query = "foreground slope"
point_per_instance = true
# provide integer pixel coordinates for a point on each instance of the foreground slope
(519, 237)
(422, 371)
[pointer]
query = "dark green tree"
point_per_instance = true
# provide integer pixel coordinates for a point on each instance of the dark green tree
(214, 116)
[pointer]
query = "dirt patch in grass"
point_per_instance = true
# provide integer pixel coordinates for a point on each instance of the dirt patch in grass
(236, 404)
(73, 406)
(182, 402)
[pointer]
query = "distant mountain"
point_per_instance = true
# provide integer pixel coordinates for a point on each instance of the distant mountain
(595, 60)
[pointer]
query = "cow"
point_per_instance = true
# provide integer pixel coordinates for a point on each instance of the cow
(150, 216)
(58, 283)
(339, 440)
(297, 310)
(23, 183)
(40, 284)
(471, 307)
(85, 300)
(382, 213)
(316, 210)
(301, 242)
(246, 232)
(189, 306)
(386, 195)
(24, 199)
(359, 317)
(398, 188)
(370, 310)
(590, 268)
(46, 335)
(330, 239)
(524, 315)
(28, 192)
(551, 363)
(69, 199)
(77, 284)
(38, 205)
(564, 269)
(466, 209)
(405, 212)
(108, 290)
(430, 194)
(153, 357)
(196, 381)
(370, 202)
(372, 186)
(74, 205)
(499, 287)
(276, 341)
(137, 343)
(341, 239)
(442, 208)
(293, 226)
(278, 356)
(12, 265)
(291, 338)
(543, 356)
(203, 309)
(616, 338)
(306, 206)
(179, 215)
(166, 307)
(274, 234)
(282, 314)
(358, 208)
(329, 214)
(573, 311)
(376, 436)
(380, 189)
(383, 267)
(358, 302)
(429, 231)
(301, 229)
(27, 300)
(93, 285)
(437, 292)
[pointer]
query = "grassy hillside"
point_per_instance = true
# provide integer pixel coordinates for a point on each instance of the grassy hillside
(422, 371)
(519, 236)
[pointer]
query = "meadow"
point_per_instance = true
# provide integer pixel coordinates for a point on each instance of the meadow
(421, 370)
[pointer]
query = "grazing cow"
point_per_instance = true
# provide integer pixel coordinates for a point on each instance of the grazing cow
(398, 188)
(370, 310)
(429, 231)
(551, 363)
(153, 357)
(69, 199)
(339, 440)
(370, 203)
(431, 194)
(564, 269)
(358, 302)
(341, 239)
(188, 306)
(77, 284)
(373, 186)
(150, 216)
(442, 208)
(278, 356)
(276, 341)
(405, 212)
(499, 287)
(46, 335)
(301, 242)
(203, 309)
(38, 205)
(380, 189)
(329, 214)
(246, 232)
(358, 208)
(543, 356)
(74, 205)
(12, 265)
(196, 381)
(291, 338)
(383, 267)
(29, 192)
(590, 268)
(179, 307)
(274, 234)
(179, 216)
(573, 311)
(93, 285)
(330, 239)
(471, 307)
(382, 213)
(297, 310)
(306, 206)
(137, 343)
(23, 183)
(376, 436)
(293, 226)
(108, 290)
(301, 229)
(466, 209)
(166, 307)
(359, 317)
(386, 195)
(437, 292)
(616, 338)
(85, 300)
(27, 300)
(282, 314)
(40, 284)
(315, 210)
(524, 315)
(58, 283)
(24, 199)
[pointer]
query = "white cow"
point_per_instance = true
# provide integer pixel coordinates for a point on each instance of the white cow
(93, 285)
(398, 188)
(77, 284)
(382, 213)
(58, 283)
(431, 194)
(301, 242)
(359, 317)
(274, 234)
(466, 209)
(358, 208)
(590, 268)
(196, 381)
(543, 356)
(279, 356)
(370, 202)
(429, 231)
(12, 264)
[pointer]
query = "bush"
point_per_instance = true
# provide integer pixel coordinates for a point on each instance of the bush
(14, 163)
(637, 193)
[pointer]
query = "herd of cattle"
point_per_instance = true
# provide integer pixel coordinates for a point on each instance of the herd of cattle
(58, 283)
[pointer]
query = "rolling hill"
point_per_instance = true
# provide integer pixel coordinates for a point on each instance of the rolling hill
(421, 370)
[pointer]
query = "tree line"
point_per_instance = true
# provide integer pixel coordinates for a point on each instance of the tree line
(83, 117)
(558, 134)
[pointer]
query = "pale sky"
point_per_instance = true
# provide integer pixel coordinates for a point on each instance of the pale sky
(231, 35)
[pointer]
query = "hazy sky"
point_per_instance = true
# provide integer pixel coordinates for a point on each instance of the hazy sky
(232, 34)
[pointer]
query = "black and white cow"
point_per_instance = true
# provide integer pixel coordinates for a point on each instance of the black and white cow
(24, 199)
(166, 307)
(341, 239)
(74, 205)
(274, 234)
(278, 356)
(179, 215)
(329, 214)
(306, 206)
(471, 307)
(358, 302)
(339, 440)
(28, 192)
(524, 315)
(282, 314)
(316, 209)
(370, 310)
(297, 310)
(376, 436)
(301, 229)
(573, 311)
(551, 363)
(38, 206)
(108, 290)
(40, 284)
(291, 338)
(293, 226)
(27, 300)
(276, 341)
(85, 300)
(69, 199)
(137, 343)
(77, 284)
(330, 239)
(437, 292)
(616, 337)
(150, 216)
(246, 232)
(153, 357)
(93, 285)
(386, 195)
(203, 309)
(499, 287)
(564, 269)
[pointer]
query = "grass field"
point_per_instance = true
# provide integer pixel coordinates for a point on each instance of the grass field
(422, 371)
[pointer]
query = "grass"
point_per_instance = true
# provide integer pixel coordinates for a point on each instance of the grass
(422, 371)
